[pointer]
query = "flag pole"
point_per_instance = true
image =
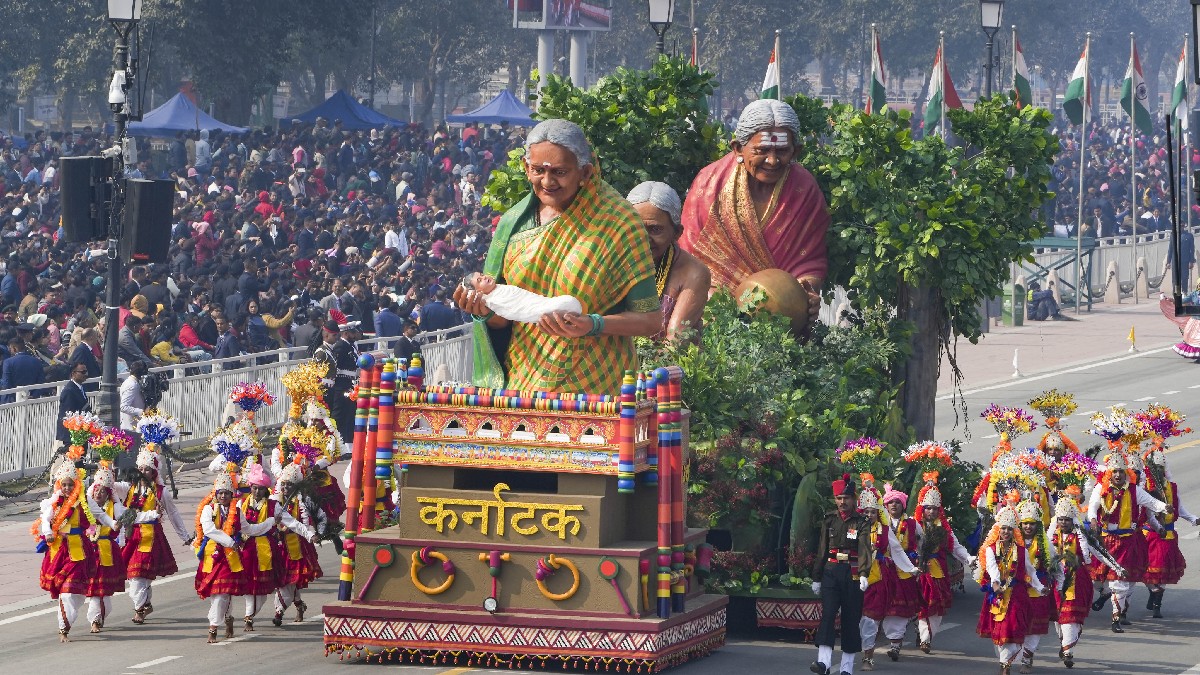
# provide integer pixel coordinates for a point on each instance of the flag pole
(871, 85)
(1014, 67)
(778, 61)
(696, 47)
(1087, 101)
(1133, 155)
(941, 65)
(1187, 144)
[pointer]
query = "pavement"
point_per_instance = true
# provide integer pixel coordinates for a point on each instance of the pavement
(1089, 356)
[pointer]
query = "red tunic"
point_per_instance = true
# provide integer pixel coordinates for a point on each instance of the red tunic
(147, 553)
(936, 597)
(876, 597)
(330, 495)
(1074, 600)
(1120, 518)
(1164, 560)
(905, 598)
(1042, 607)
(1013, 623)
(300, 565)
(220, 569)
(70, 560)
(110, 564)
(261, 555)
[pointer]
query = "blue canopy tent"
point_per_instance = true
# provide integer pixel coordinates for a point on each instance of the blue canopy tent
(504, 108)
(178, 114)
(354, 115)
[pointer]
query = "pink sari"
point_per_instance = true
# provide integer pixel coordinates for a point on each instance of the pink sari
(1188, 326)
(721, 228)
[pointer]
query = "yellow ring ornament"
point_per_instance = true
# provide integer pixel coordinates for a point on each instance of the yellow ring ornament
(546, 567)
(423, 557)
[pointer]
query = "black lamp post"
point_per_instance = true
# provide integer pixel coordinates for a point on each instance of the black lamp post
(991, 13)
(662, 12)
(123, 15)
(1195, 40)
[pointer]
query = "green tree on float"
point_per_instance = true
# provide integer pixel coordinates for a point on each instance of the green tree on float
(926, 228)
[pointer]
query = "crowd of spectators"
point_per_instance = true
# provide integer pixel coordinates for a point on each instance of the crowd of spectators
(274, 233)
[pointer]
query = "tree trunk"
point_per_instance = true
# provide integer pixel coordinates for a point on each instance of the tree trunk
(920, 371)
(233, 106)
(67, 108)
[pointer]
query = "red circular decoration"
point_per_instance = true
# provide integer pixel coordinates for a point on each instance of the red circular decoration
(384, 556)
(608, 568)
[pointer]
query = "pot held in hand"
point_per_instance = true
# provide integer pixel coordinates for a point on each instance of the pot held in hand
(784, 295)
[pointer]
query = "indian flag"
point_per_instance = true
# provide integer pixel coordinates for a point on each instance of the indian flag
(877, 97)
(770, 88)
(942, 94)
(1179, 97)
(1078, 93)
(1021, 76)
(1133, 95)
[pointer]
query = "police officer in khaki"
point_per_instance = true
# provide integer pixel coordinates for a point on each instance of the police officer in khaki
(841, 568)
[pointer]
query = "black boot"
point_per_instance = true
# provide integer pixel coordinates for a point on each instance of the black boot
(1116, 624)
(819, 668)
(1125, 620)
(1099, 603)
(1157, 599)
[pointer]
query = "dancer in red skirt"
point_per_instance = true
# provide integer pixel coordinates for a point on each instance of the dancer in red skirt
(1006, 574)
(220, 574)
(1041, 605)
(938, 543)
(300, 563)
(261, 554)
(1073, 584)
(905, 598)
(147, 553)
(1164, 561)
(881, 580)
(1115, 508)
(110, 566)
(70, 561)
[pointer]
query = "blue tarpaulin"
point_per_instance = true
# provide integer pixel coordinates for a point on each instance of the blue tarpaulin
(354, 115)
(504, 108)
(178, 114)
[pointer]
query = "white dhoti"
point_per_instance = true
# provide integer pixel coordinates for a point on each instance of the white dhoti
(98, 608)
(68, 609)
(869, 629)
(928, 628)
(139, 591)
(253, 604)
(218, 609)
(1007, 653)
(1070, 635)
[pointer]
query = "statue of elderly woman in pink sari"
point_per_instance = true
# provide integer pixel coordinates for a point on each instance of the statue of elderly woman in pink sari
(755, 211)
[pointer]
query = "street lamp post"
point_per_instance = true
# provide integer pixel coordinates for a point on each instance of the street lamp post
(371, 77)
(123, 15)
(991, 12)
(662, 12)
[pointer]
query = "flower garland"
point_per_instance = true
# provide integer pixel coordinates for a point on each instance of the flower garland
(1054, 405)
(1008, 422)
(82, 426)
(158, 427)
(110, 443)
(251, 396)
(226, 527)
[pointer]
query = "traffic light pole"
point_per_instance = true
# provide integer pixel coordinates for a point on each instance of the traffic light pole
(112, 292)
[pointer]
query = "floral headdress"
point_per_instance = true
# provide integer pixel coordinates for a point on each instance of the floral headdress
(1074, 470)
(304, 384)
(859, 454)
(234, 444)
(1008, 422)
(931, 457)
(1118, 426)
(251, 396)
(1013, 477)
(1054, 405)
(1162, 422)
(82, 426)
(110, 443)
(158, 427)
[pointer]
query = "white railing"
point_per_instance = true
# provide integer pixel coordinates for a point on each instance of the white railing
(198, 399)
(1121, 250)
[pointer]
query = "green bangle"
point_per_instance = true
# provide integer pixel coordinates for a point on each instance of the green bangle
(597, 325)
(485, 318)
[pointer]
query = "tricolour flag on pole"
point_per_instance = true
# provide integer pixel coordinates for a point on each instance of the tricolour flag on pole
(942, 94)
(877, 97)
(1078, 92)
(1179, 96)
(1133, 95)
(1021, 75)
(770, 88)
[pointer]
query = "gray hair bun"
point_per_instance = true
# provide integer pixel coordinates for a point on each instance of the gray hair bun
(660, 195)
(764, 114)
(563, 133)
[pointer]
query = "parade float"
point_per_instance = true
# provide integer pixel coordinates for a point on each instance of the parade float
(533, 528)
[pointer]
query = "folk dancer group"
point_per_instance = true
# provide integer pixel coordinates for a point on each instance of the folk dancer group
(1056, 526)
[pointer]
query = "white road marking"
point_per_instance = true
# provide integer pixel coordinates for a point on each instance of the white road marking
(1088, 413)
(22, 617)
(239, 638)
(1057, 373)
(1194, 670)
(1142, 399)
(1168, 393)
(992, 436)
(155, 662)
(1194, 386)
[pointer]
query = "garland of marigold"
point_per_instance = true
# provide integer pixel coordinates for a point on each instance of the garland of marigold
(226, 527)
(991, 539)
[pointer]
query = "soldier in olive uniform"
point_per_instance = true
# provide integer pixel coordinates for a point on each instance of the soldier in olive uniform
(841, 568)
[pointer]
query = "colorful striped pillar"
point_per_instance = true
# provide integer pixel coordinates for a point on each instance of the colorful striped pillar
(370, 485)
(386, 435)
(665, 478)
(679, 587)
(650, 479)
(354, 491)
(625, 434)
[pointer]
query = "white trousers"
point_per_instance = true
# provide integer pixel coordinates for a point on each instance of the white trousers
(255, 603)
(139, 591)
(1007, 653)
(68, 609)
(825, 657)
(218, 608)
(894, 627)
(869, 629)
(1031, 643)
(1121, 590)
(98, 608)
(928, 628)
(285, 596)
(1070, 634)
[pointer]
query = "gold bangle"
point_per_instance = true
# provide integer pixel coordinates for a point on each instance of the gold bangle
(547, 567)
(423, 557)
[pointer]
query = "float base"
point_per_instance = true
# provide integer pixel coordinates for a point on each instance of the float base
(525, 639)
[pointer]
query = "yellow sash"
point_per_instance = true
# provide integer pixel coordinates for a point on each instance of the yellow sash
(146, 543)
(1031, 551)
(262, 543)
(1000, 610)
(292, 540)
(104, 544)
(210, 548)
(1169, 518)
(903, 534)
(74, 541)
(1124, 511)
(875, 575)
